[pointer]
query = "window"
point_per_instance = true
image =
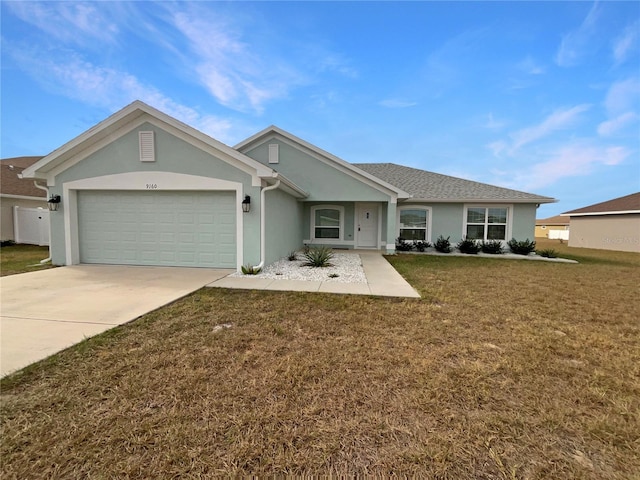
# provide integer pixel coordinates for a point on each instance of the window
(413, 224)
(327, 222)
(486, 223)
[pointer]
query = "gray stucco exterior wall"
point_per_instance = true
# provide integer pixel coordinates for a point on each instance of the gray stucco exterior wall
(172, 155)
(284, 222)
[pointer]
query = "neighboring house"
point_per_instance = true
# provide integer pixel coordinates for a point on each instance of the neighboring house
(610, 225)
(545, 226)
(143, 188)
(17, 192)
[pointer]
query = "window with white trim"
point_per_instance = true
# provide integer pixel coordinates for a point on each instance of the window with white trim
(413, 222)
(486, 223)
(327, 222)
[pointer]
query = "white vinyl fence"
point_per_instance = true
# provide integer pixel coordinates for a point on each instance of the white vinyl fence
(31, 225)
(559, 235)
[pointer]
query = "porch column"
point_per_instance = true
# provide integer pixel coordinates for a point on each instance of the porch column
(391, 226)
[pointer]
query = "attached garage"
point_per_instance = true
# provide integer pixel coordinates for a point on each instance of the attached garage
(164, 228)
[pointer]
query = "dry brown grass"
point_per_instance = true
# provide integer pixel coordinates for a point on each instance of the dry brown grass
(505, 369)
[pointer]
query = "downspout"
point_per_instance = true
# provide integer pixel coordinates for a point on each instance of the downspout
(48, 259)
(263, 223)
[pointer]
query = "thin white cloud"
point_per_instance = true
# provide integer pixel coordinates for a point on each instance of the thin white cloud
(493, 124)
(627, 43)
(529, 66)
(396, 103)
(72, 76)
(558, 120)
(575, 44)
(68, 21)
(614, 125)
(623, 96)
(498, 148)
(228, 65)
(572, 160)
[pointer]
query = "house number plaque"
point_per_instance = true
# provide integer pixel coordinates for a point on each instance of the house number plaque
(152, 186)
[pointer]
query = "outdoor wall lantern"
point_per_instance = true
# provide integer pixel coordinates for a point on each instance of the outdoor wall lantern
(246, 204)
(53, 202)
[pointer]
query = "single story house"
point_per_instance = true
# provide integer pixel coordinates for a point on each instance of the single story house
(610, 225)
(17, 192)
(143, 188)
(546, 225)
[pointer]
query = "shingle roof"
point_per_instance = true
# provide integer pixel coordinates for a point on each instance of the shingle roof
(557, 220)
(436, 187)
(10, 184)
(628, 203)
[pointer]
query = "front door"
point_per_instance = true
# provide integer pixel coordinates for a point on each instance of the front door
(367, 225)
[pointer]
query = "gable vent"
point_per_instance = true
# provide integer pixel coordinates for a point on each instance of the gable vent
(274, 153)
(147, 150)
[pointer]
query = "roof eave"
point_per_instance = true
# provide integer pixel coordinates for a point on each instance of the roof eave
(589, 214)
(484, 200)
(119, 120)
(289, 186)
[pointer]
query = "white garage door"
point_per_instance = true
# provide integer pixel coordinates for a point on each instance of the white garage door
(169, 228)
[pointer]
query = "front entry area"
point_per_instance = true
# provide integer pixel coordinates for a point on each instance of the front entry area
(162, 228)
(367, 229)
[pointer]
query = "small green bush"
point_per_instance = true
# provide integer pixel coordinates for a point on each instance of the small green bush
(523, 247)
(402, 245)
(468, 246)
(421, 245)
(548, 253)
(492, 246)
(443, 245)
(318, 257)
(250, 269)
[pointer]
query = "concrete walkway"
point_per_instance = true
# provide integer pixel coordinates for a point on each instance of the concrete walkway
(382, 279)
(44, 312)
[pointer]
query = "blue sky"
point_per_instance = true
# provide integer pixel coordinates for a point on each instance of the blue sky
(538, 96)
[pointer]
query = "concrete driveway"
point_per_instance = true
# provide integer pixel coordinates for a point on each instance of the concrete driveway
(44, 312)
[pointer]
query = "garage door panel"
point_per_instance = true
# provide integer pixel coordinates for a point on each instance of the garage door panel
(157, 228)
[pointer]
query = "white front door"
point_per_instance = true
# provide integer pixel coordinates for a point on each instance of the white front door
(367, 225)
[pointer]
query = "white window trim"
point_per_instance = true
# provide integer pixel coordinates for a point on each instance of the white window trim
(509, 224)
(414, 207)
(313, 237)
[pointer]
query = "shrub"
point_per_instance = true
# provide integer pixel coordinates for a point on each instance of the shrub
(443, 245)
(402, 245)
(421, 246)
(7, 243)
(468, 246)
(250, 269)
(292, 256)
(523, 247)
(492, 246)
(318, 257)
(305, 249)
(548, 253)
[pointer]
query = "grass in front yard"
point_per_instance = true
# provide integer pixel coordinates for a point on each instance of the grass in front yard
(22, 258)
(505, 369)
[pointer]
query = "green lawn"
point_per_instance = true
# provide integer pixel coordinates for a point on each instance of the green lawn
(22, 258)
(504, 369)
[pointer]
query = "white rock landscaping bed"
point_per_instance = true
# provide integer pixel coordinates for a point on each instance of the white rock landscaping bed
(347, 267)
